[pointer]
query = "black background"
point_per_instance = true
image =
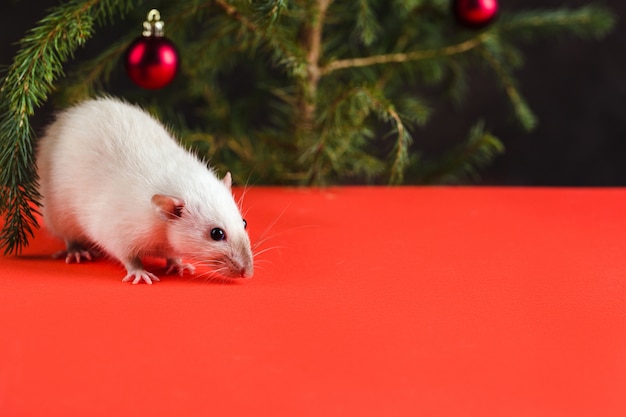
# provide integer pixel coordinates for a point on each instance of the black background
(577, 89)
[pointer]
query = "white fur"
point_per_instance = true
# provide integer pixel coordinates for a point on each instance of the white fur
(101, 162)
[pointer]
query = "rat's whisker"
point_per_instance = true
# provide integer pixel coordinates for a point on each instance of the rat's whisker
(264, 250)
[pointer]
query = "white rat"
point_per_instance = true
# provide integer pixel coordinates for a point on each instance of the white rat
(113, 180)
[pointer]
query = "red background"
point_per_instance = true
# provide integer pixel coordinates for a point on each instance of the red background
(367, 301)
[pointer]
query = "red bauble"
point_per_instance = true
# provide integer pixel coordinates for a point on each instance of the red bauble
(475, 13)
(151, 62)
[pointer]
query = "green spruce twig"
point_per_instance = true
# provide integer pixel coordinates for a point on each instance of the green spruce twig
(466, 159)
(590, 21)
(397, 58)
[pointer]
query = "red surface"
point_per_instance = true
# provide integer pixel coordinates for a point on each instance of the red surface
(370, 302)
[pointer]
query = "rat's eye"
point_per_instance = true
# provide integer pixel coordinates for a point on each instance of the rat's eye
(245, 223)
(218, 234)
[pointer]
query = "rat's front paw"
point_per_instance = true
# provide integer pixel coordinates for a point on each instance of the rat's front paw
(138, 275)
(175, 266)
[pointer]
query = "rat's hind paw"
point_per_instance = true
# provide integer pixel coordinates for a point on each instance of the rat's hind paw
(136, 276)
(177, 267)
(77, 256)
(75, 253)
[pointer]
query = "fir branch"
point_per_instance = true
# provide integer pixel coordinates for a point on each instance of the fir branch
(313, 47)
(366, 27)
(406, 56)
(93, 73)
(270, 10)
(466, 159)
(332, 119)
(233, 12)
(586, 22)
(387, 112)
(401, 158)
(25, 86)
(523, 112)
(283, 47)
(343, 131)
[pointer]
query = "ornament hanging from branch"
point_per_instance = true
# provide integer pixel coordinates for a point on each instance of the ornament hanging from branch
(475, 13)
(152, 60)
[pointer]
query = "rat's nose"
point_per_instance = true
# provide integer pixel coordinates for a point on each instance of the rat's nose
(246, 272)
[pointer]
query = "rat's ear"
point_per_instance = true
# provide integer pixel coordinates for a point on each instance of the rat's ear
(228, 180)
(168, 207)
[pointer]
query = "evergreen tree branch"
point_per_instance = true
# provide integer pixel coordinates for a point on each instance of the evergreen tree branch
(343, 130)
(406, 56)
(233, 12)
(587, 21)
(331, 120)
(401, 158)
(465, 159)
(280, 44)
(313, 46)
(523, 112)
(366, 25)
(387, 112)
(93, 73)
